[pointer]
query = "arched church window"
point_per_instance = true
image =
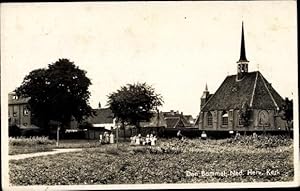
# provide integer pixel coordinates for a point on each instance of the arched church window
(263, 117)
(240, 119)
(209, 119)
(224, 118)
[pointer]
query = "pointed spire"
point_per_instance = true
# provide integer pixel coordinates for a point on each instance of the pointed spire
(205, 92)
(243, 51)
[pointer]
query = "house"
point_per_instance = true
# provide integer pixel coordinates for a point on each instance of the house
(20, 115)
(157, 120)
(222, 111)
(20, 120)
(18, 112)
(176, 120)
(104, 118)
(190, 119)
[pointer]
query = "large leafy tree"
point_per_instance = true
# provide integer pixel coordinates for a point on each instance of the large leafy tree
(134, 103)
(286, 112)
(245, 114)
(57, 93)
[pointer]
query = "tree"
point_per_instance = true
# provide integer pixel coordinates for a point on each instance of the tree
(57, 93)
(245, 114)
(134, 103)
(286, 112)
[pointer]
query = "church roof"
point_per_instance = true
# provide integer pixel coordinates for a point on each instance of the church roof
(252, 89)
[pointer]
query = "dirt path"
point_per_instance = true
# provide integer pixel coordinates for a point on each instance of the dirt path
(28, 155)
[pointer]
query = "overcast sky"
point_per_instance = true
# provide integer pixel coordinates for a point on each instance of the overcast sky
(176, 47)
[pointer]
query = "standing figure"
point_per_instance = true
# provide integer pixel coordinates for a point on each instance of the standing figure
(137, 140)
(100, 138)
(179, 135)
(203, 135)
(237, 136)
(153, 140)
(140, 139)
(111, 138)
(132, 140)
(147, 140)
(106, 138)
(254, 136)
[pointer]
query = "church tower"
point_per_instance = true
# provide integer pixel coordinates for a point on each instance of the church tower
(204, 97)
(242, 66)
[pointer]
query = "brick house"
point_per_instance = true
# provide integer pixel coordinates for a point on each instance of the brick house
(18, 112)
(104, 118)
(177, 120)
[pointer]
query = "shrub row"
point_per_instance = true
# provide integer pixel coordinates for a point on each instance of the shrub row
(15, 141)
(262, 141)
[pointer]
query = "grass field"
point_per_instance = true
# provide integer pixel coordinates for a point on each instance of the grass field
(171, 161)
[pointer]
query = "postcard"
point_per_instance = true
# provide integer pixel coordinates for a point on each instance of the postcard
(149, 95)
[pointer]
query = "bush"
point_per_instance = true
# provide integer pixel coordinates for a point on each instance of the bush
(165, 149)
(22, 141)
(112, 151)
(262, 141)
(14, 131)
(142, 150)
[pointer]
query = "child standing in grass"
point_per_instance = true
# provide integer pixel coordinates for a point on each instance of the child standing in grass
(137, 140)
(179, 135)
(100, 138)
(111, 138)
(147, 140)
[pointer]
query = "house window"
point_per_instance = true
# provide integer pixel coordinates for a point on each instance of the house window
(15, 114)
(15, 97)
(25, 124)
(209, 119)
(224, 118)
(26, 111)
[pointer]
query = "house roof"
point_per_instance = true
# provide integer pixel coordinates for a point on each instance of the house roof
(19, 100)
(177, 121)
(172, 121)
(157, 120)
(177, 118)
(102, 116)
(252, 89)
(188, 117)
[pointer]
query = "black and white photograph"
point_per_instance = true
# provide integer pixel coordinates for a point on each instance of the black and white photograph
(149, 95)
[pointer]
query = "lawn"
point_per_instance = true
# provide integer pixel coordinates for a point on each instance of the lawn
(171, 161)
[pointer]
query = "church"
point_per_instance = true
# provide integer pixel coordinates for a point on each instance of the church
(245, 101)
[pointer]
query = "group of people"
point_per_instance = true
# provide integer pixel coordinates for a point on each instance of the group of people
(139, 140)
(107, 138)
